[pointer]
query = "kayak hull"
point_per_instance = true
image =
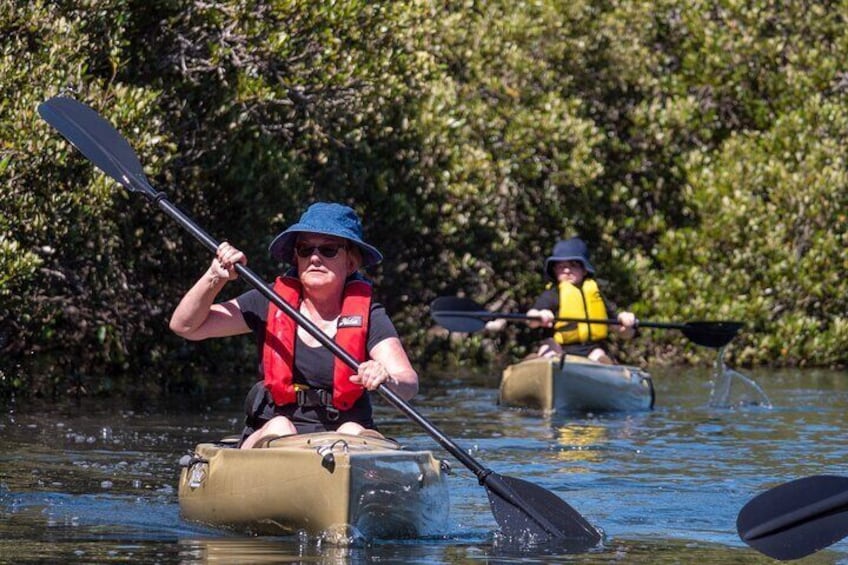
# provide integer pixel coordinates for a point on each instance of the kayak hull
(576, 384)
(323, 484)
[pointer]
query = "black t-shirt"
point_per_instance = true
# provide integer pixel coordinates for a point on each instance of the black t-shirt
(314, 365)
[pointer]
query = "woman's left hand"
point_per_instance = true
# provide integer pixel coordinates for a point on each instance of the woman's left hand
(371, 375)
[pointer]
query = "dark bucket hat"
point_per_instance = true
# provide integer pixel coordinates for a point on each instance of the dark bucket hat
(573, 249)
(325, 218)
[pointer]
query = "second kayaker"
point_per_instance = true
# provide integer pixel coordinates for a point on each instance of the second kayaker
(575, 294)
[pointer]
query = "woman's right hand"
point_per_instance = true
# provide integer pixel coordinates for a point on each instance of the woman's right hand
(198, 316)
(225, 261)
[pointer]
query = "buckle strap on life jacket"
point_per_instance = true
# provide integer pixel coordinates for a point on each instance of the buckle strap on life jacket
(308, 397)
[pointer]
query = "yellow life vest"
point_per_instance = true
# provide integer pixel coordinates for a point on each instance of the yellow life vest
(580, 302)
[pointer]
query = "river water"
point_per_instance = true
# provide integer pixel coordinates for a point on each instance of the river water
(87, 484)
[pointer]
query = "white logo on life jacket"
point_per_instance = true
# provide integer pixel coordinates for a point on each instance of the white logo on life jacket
(350, 322)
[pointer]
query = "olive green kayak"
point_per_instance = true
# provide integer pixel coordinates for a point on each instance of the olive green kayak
(574, 384)
(337, 486)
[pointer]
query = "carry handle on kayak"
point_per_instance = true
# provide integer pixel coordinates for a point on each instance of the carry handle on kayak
(519, 507)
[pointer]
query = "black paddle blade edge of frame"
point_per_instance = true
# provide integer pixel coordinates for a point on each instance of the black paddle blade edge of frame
(97, 140)
(797, 518)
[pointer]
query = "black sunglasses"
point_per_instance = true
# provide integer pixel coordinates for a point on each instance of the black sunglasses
(328, 251)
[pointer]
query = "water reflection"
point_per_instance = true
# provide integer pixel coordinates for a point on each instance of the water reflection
(95, 484)
(265, 550)
(458, 551)
(581, 442)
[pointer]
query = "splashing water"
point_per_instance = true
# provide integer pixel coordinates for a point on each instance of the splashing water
(722, 390)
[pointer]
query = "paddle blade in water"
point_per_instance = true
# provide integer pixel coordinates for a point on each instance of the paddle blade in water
(95, 138)
(525, 510)
(797, 518)
(711, 334)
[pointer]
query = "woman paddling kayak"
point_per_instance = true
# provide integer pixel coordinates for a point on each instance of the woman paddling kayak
(304, 387)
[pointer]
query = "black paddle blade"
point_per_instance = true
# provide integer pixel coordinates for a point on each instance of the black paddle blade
(459, 314)
(796, 518)
(95, 138)
(525, 510)
(711, 334)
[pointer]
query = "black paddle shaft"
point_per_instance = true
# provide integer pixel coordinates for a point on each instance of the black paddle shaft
(466, 316)
(518, 506)
(507, 495)
(256, 282)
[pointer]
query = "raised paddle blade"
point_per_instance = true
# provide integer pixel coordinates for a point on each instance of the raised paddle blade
(527, 511)
(711, 334)
(458, 314)
(796, 518)
(95, 138)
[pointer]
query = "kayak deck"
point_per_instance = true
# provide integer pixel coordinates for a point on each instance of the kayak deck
(328, 484)
(573, 383)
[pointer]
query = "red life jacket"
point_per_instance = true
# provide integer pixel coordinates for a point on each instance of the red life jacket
(351, 335)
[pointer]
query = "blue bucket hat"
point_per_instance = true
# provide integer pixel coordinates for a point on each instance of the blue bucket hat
(573, 249)
(325, 218)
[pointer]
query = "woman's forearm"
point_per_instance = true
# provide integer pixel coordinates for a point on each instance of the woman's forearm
(194, 308)
(404, 383)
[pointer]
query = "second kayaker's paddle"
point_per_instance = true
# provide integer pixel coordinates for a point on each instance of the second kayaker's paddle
(520, 508)
(464, 315)
(797, 518)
